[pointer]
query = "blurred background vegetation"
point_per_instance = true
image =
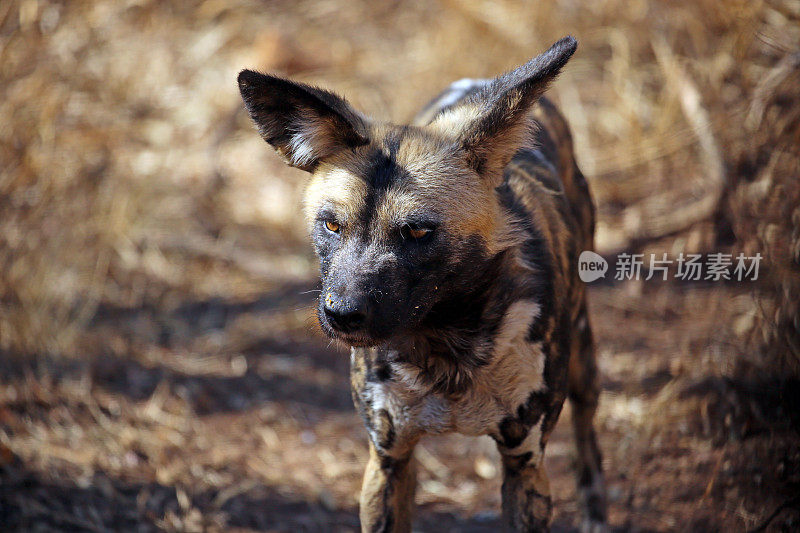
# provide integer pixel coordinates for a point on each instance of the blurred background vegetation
(159, 363)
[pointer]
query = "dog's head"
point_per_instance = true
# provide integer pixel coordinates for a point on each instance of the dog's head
(402, 217)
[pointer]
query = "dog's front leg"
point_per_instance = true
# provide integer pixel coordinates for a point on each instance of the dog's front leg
(387, 494)
(527, 505)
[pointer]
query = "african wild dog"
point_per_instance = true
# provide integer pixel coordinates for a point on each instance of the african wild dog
(448, 253)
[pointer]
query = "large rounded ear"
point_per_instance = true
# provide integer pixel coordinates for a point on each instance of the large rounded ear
(492, 123)
(303, 123)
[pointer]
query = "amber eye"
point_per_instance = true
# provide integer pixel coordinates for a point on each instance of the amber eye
(418, 233)
(332, 226)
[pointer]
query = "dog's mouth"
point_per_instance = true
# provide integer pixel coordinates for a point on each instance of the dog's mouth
(357, 339)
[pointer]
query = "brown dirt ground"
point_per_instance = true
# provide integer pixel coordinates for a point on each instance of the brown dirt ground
(188, 433)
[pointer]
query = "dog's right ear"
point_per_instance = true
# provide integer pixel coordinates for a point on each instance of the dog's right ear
(303, 123)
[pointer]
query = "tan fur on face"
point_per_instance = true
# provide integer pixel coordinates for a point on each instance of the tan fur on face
(439, 184)
(337, 182)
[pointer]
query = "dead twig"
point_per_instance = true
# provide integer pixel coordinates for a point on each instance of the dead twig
(767, 86)
(667, 214)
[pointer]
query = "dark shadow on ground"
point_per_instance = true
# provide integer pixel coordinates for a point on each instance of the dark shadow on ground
(149, 326)
(206, 394)
(211, 313)
(276, 512)
(30, 503)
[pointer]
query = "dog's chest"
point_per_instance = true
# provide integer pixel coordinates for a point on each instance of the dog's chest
(496, 390)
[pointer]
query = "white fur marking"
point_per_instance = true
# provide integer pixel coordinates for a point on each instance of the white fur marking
(310, 140)
(518, 364)
(516, 369)
(457, 90)
(515, 326)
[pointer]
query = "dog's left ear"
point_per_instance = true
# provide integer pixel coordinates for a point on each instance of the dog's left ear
(303, 123)
(493, 123)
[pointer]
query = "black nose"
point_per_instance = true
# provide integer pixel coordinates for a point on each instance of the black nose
(345, 319)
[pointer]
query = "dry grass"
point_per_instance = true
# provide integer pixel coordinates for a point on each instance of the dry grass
(159, 363)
